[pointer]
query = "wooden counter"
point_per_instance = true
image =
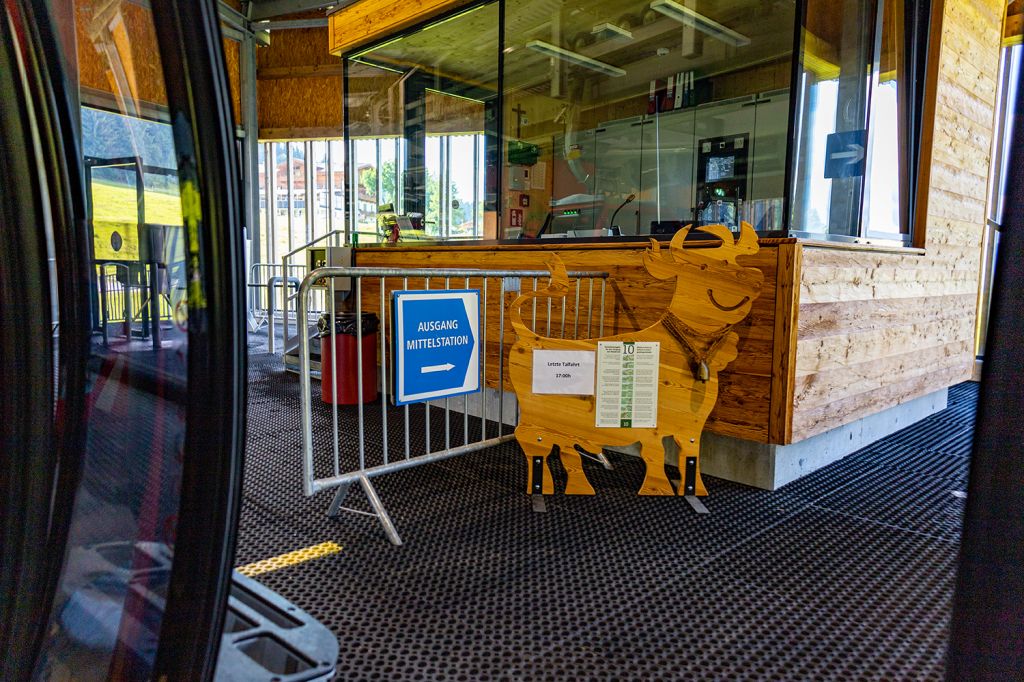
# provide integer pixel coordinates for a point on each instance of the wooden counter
(755, 398)
(839, 332)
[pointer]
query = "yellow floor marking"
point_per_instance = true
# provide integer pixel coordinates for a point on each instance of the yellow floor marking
(289, 559)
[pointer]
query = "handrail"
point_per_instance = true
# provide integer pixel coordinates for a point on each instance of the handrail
(254, 281)
(323, 273)
(286, 269)
(312, 243)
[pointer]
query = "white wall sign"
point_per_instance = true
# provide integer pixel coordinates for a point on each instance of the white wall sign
(627, 384)
(565, 372)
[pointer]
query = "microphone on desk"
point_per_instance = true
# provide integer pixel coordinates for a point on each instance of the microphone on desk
(630, 198)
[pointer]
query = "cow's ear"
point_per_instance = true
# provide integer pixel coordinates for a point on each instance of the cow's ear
(659, 267)
(559, 275)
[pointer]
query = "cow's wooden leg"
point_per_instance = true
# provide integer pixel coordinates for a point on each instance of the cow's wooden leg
(576, 482)
(689, 467)
(537, 445)
(655, 480)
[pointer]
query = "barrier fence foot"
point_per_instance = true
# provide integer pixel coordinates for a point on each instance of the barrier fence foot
(697, 505)
(380, 512)
(539, 504)
(339, 498)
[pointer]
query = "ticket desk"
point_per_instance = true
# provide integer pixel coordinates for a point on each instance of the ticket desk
(833, 355)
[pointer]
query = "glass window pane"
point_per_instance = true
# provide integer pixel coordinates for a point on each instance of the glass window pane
(423, 96)
(432, 212)
(366, 186)
(338, 183)
(388, 172)
(642, 116)
(264, 229)
(108, 607)
(461, 183)
(318, 196)
(853, 178)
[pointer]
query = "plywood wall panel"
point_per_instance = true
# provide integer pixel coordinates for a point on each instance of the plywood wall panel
(880, 329)
(232, 52)
(295, 99)
(123, 32)
(299, 104)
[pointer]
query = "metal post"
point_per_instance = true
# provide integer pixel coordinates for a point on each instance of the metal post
(465, 398)
(590, 306)
(250, 148)
(334, 375)
(501, 359)
(288, 177)
(576, 313)
(270, 173)
(103, 302)
(359, 363)
(381, 513)
(483, 364)
(310, 188)
(447, 413)
(426, 405)
(405, 286)
(305, 406)
(383, 369)
(330, 185)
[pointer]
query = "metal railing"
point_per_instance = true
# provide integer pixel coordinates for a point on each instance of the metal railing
(356, 454)
(125, 296)
(337, 238)
(265, 296)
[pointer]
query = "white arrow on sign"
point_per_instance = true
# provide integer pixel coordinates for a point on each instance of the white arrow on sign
(430, 369)
(855, 153)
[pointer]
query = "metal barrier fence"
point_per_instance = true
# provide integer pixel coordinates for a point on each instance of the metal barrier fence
(268, 296)
(356, 454)
(333, 238)
(120, 304)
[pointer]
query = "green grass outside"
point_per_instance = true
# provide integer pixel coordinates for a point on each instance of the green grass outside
(116, 203)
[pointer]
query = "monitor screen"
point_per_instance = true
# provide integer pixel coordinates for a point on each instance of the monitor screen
(720, 168)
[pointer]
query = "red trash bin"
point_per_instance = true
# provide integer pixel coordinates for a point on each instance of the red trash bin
(346, 342)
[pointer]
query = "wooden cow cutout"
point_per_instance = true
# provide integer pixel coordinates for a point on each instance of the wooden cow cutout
(713, 294)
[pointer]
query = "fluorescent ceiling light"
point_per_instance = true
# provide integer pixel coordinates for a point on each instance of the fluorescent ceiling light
(612, 30)
(565, 55)
(689, 17)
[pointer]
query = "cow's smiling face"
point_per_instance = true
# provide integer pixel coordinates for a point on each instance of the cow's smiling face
(725, 292)
(711, 288)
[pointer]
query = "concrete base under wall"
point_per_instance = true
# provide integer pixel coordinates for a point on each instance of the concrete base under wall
(772, 466)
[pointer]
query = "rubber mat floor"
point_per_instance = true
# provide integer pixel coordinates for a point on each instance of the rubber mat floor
(846, 574)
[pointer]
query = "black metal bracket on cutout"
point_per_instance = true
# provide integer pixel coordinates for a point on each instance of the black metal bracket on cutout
(690, 476)
(537, 465)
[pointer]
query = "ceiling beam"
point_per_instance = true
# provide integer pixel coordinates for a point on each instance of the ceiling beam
(268, 9)
(283, 24)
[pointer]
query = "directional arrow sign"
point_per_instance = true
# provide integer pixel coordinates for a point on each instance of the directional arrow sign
(447, 367)
(437, 352)
(844, 154)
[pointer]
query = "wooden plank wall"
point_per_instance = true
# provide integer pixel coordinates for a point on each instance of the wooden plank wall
(633, 300)
(878, 329)
(367, 21)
